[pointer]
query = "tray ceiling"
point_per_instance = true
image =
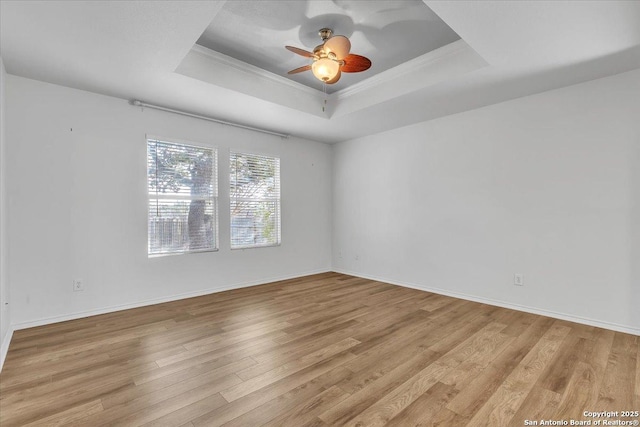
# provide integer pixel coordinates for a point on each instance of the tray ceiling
(390, 33)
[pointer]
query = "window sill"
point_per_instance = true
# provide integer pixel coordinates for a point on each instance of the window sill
(164, 254)
(241, 248)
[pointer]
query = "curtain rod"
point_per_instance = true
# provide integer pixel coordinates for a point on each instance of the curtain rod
(138, 103)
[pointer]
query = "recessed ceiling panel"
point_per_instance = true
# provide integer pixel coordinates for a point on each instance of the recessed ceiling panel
(388, 32)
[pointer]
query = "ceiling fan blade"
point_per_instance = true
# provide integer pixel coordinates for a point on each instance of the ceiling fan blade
(355, 63)
(299, 51)
(300, 69)
(335, 79)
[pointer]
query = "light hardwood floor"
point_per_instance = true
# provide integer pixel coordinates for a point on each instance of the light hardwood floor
(321, 350)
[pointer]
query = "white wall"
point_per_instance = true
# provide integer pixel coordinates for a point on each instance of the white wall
(77, 189)
(5, 320)
(546, 185)
(634, 217)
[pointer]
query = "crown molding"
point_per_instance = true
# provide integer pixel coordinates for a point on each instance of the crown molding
(431, 68)
(215, 68)
(244, 67)
(415, 65)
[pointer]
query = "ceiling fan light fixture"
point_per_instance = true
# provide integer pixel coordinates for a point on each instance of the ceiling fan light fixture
(331, 58)
(325, 69)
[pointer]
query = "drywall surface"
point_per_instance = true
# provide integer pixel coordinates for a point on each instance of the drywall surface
(546, 186)
(634, 218)
(78, 206)
(5, 319)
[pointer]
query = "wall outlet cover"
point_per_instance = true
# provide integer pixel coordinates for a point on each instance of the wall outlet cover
(518, 279)
(78, 285)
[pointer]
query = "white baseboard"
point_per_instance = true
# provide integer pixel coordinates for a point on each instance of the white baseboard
(71, 316)
(111, 309)
(5, 346)
(504, 304)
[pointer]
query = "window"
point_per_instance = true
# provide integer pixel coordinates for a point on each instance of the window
(183, 198)
(255, 200)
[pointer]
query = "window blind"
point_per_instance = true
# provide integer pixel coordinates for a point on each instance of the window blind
(254, 200)
(183, 198)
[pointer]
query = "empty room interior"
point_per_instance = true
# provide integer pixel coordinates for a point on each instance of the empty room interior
(319, 213)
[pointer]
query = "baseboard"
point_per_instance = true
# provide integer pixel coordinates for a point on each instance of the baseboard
(4, 349)
(504, 304)
(111, 309)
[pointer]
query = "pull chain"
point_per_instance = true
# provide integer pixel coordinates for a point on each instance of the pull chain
(324, 89)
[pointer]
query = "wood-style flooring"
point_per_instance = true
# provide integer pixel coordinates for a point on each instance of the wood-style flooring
(321, 350)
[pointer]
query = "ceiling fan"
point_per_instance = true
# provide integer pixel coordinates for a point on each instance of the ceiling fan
(331, 58)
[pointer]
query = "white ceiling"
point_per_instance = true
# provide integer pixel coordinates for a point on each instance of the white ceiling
(145, 50)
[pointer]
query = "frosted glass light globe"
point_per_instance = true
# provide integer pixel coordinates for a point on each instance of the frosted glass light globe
(325, 69)
(338, 46)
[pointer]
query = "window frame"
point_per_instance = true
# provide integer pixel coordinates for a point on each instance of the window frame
(278, 200)
(215, 199)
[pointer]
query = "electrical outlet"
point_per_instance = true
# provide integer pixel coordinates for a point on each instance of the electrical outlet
(518, 279)
(78, 285)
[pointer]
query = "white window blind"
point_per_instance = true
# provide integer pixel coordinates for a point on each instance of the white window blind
(183, 198)
(255, 200)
